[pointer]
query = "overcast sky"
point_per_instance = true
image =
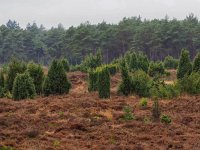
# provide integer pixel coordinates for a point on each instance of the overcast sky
(73, 12)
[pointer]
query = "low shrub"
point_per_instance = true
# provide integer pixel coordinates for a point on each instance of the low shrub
(141, 84)
(170, 62)
(143, 102)
(190, 83)
(165, 119)
(128, 115)
(23, 87)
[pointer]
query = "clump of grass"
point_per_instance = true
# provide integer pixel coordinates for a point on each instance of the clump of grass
(166, 119)
(128, 115)
(143, 102)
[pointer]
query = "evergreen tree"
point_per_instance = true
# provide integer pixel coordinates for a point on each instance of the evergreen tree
(23, 87)
(15, 67)
(196, 64)
(184, 67)
(103, 82)
(65, 64)
(56, 81)
(92, 80)
(37, 74)
(125, 86)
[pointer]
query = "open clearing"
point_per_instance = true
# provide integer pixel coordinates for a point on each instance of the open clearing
(80, 120)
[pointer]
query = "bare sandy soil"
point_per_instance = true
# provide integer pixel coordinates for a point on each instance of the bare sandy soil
(80, 121)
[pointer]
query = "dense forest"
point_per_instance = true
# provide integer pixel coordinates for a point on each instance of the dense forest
(156, 38)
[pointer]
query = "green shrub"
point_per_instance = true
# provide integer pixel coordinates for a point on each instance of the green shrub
(6, 148)
(156, 110)
(15, 67)
(142, 62)
(170, 62)
(141, 83)
(126, 83)
(65, 64)
(37, 74)
(165, 119)
(190, 83)
(103, 82)
(164, 91)
(156, 69)
(91, 61)
(2, 85)
(23, 87)
(56, 81)
(128, 115)
(143, 102)
(112, 69)
(92, 80)
(184, 67)
(75, 68)
(196, 64)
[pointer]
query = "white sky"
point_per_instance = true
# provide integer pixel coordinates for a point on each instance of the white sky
(73, 12)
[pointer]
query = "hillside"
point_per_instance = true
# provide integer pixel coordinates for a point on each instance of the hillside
(80, 120)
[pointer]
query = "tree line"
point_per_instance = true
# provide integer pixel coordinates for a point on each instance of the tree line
(156, 38)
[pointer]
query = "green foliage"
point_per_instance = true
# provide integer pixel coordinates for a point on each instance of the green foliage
(136, 61)
(142, 62)
(165, 119)
(184, 67)
(141, 83)
(156, 69)
(6, 148)
(37, 74)
(112, 69)
(125, 85)
(15, 67)
(164, 91)
(56, 81)
(190, 83)
(92, 61)
(23, 87)
(196, 64)
(143, 102)
(2, 85)
(103, 82)
(92, 80)
(65, 64)
(170, 62)
(156, 110)
(128, 115)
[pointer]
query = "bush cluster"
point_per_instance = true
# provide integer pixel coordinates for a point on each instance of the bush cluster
(156, 69)
(37, 74)
(2, 85)
(196, 64)
(165, 119)
(56, 81)
(15, 67)
(136, 61)
(91, 61)
(170, 62)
